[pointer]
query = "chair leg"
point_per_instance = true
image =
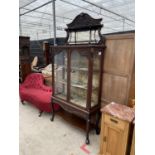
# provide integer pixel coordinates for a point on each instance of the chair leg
(40, 113)
(22, 102)
(52, 110)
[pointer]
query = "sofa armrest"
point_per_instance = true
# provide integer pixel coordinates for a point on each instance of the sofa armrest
(23, 85)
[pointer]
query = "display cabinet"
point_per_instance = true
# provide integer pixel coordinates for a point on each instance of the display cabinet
(77, 71)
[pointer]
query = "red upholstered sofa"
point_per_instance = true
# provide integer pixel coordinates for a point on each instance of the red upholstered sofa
(34, 91)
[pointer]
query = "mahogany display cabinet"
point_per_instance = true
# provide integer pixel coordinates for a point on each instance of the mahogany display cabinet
(77, 73)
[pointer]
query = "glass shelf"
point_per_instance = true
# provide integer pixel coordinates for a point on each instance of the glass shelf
(62, 82)
(78, 85)
(80, 102)
(83, 69)
(77, 69)
(62, 96)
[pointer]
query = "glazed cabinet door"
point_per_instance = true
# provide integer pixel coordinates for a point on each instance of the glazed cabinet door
(60, 74)
(114, 136)
(96, 75)
(85, 66)
(79, 77)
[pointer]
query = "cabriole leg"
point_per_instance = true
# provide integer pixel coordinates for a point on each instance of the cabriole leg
(22, 102)
(98, 116)
(87, 130)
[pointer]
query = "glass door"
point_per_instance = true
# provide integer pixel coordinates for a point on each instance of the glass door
(60, 74)
(79, 78)
(95, 78)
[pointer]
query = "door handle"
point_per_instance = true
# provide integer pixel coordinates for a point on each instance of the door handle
(113, 120)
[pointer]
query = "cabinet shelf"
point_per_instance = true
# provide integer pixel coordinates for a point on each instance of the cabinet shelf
(82, 86)
(61, 81)
(77, 68)
(80, 69)
(73, 84)
(83, 69)
(73, 68)
(79, 86)
(81, 102)
(63, 96)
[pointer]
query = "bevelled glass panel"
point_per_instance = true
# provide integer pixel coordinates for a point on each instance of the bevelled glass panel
(96, 78)
(60, 71)
(79, 78)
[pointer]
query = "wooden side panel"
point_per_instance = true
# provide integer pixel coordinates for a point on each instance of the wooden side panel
(118, 56)
(26, 69)
(131, 101)
(114, 88)
(118, 68)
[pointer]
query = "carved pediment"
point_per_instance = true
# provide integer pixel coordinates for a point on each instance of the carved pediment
(84, 22)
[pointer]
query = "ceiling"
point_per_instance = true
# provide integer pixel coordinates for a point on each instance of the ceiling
(37, 21)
